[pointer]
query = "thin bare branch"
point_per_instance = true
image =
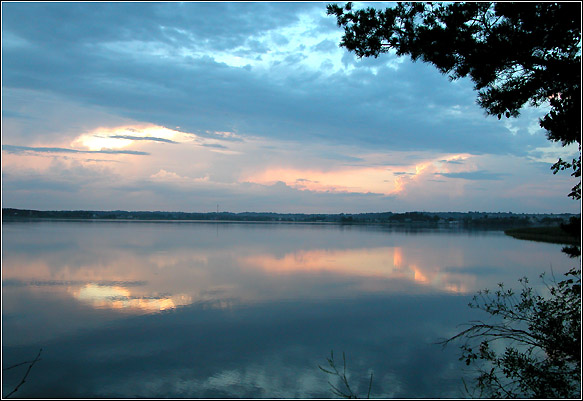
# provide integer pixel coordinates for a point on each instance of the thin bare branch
(35, 360)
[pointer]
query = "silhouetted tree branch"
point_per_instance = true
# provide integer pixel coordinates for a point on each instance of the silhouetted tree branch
(23, 380)
(516, 53)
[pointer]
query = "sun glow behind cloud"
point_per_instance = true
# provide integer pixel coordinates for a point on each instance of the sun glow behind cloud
(123, 137)
(369, 175)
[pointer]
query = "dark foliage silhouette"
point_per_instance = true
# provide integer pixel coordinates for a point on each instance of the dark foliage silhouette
(515, 54)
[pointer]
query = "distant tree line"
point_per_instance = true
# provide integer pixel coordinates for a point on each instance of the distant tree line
(468, 220)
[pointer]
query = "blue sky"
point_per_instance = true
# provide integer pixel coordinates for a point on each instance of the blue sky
(251, 106)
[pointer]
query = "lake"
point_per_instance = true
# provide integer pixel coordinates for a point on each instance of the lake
(233, 310)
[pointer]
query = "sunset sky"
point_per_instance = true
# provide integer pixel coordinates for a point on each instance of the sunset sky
(252, 107)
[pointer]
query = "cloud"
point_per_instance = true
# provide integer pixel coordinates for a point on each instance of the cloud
(102, 161)
(143, 138)
(304, 180)
(214, 145)
(163, 174)
(37, 184)
(15, 114)
(402, 173)
(26, 149)
(326, 45)
(475, 175)
(178, 79)
(361, 180)
(170, 177)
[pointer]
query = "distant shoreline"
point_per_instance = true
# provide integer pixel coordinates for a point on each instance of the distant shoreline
(98, 220)
(552, 234)
(476, 220)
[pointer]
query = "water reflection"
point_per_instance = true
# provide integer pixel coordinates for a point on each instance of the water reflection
(148, 268)
(116, 297)
(206, 310)
(376, 263)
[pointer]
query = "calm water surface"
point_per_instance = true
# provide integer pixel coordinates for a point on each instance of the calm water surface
(204, 310)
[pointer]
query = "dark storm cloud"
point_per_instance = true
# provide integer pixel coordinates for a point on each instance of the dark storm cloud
(83, 51)
(26, 149)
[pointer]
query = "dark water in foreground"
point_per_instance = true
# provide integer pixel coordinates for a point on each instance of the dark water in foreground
(204, 310)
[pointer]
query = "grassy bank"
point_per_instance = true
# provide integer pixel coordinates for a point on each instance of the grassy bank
(554, 234)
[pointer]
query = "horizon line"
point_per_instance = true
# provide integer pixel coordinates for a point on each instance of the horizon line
(283, 213)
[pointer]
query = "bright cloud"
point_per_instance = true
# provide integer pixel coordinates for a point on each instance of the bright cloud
(122, 137)
(171, 177)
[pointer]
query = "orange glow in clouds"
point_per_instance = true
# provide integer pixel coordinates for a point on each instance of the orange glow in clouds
(354, 179)
(381, 180)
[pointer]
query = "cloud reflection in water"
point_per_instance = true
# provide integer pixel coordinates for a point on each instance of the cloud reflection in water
(232, 310)
(117, 297)
(378, 263)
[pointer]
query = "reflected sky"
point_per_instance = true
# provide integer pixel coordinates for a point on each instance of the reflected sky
(245, 310)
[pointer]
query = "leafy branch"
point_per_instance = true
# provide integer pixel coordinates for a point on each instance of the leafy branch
(541, 337)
